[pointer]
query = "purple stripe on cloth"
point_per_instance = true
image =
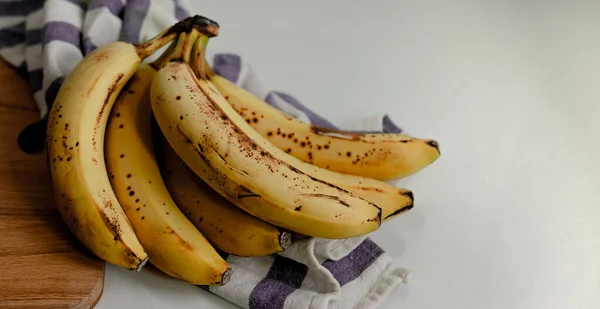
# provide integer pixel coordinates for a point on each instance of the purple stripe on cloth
(314, 118)
(180, 12)
(355, 263)
(34, 36)
(61, 31)
(12, 36)
(228, 66)
(284, 277)
(35, 79)
(135, 11)
(52, 91)
(88, 46)
(114, 6)
(20, 8)
(389, 126)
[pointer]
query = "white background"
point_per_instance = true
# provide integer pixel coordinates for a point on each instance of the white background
(509, 216)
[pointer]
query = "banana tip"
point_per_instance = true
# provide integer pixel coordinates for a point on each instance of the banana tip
(285, 240)
(434, 144)
(141, 265)
(226, 276)
(210, 26)
(410, 195)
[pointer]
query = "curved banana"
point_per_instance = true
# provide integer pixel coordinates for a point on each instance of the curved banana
(174, 245)
(75, 149)
(221, 148)
(378, 156)
(75, 144)
(227, 227)
(392, 200)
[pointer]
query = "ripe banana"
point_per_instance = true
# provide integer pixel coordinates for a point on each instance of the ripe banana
(75, 141)
(174, 245)
(378, 156)
(221, 148)
(392, 200)
(227, 227)
(75, 149)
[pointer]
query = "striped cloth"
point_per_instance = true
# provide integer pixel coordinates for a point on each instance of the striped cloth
(44, 40)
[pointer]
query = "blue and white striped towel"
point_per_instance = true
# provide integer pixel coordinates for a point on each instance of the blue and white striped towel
(46, 39)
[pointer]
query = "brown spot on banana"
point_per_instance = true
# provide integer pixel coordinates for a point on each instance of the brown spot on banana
(111, 92)
(91, 88)
(112, 225)
(399, 211)
(250, 146)
(326, 196)
(372, 189)
(241, 196)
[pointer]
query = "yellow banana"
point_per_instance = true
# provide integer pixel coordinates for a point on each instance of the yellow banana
(74, 152)
(392, 200)
(227, 227)
(221, 148)
(174, 245)
(378, 156)
(75, 148)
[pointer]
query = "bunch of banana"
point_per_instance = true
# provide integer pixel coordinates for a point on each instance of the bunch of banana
(241, 165)
(128, 218)
(150, 162)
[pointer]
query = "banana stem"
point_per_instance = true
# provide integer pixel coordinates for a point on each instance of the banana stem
(199, 63)
(149, 47)
(178, 54)
(165, 57)
(194, 24)
(189, 45)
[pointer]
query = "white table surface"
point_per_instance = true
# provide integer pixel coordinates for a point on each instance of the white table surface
(509, 216)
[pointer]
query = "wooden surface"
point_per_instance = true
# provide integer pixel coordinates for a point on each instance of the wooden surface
(41, 263)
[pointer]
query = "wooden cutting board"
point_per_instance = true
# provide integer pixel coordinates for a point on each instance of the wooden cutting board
(41, 264)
